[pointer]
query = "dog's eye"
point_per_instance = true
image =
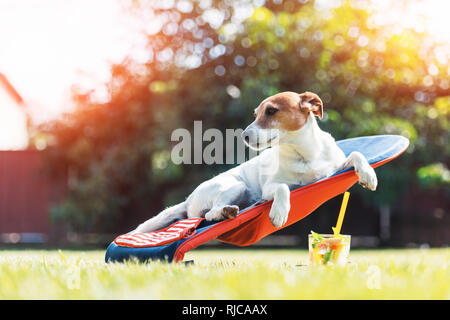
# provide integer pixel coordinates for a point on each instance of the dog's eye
(271, 111)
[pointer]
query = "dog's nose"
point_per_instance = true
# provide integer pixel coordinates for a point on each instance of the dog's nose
(245, 135)
(248, 135)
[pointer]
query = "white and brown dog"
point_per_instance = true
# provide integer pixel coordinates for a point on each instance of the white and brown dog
(301, 151)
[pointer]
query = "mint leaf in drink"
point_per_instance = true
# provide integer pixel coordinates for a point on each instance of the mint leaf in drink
(317, 237)
(327, 255)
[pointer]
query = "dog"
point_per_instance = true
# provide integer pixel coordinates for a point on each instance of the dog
(300, 153)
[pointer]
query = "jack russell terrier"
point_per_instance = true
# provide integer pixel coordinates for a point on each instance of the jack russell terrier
(301, 151)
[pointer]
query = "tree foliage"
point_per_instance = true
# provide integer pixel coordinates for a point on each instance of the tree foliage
(215, 61)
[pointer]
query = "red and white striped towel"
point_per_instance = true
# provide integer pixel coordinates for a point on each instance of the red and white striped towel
(176, 231)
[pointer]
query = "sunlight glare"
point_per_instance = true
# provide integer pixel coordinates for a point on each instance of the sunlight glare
(49, 45)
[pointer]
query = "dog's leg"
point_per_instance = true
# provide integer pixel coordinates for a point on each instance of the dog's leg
(365, 173)
(163, 219)
(281, 205)
(224, 207)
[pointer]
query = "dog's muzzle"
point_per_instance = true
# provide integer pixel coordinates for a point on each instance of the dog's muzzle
(258, 138)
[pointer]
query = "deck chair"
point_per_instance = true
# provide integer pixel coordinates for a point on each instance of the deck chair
(252, 223)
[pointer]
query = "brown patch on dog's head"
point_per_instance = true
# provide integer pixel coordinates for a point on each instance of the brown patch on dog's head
(287, 110)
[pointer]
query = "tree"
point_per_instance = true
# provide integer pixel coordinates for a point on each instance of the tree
(215, 63)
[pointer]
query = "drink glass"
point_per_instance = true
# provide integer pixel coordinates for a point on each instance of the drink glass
(328, 249)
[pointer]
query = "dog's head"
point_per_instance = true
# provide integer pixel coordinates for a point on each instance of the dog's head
(280, 114)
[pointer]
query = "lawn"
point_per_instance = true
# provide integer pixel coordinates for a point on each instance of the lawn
(226, 274)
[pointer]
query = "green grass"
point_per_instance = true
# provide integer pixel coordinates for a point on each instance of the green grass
(226, 274)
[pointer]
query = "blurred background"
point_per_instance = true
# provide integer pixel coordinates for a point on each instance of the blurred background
(90, 92)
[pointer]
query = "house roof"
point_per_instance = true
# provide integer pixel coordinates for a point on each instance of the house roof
(9, 88)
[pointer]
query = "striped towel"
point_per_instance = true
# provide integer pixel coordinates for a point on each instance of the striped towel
(176, 231)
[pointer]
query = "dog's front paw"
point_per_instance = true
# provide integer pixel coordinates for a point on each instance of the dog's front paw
(367, 178)
(279, 214)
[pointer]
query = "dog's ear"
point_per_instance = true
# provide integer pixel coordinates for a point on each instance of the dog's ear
(311, 102)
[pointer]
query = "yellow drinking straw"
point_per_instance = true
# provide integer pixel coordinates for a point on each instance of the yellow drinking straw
(337, 229)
